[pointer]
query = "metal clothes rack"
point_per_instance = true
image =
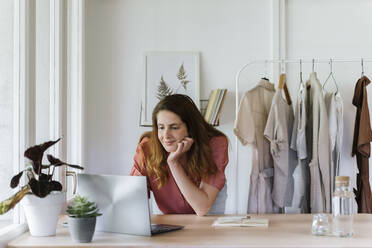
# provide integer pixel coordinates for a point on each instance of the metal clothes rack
(282, 62)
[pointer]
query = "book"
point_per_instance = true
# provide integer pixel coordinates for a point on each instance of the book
(243, 221)
(211, 102)
(215, 109)
(220, 107)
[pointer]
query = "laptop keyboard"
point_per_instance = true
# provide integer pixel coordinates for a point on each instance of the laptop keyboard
(162, 228)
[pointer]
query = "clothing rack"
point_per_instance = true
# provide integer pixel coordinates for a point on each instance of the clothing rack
(282, 62)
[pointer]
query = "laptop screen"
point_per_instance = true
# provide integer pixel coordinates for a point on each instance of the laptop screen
(122, 200)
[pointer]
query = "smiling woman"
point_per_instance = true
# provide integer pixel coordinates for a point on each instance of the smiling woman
(172, 131)
(183, 158)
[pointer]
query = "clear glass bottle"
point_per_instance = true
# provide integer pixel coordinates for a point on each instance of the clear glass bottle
(342, 208)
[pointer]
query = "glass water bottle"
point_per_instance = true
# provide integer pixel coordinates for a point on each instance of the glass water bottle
(342, 208)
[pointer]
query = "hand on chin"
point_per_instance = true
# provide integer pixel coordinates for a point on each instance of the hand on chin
(177, 150)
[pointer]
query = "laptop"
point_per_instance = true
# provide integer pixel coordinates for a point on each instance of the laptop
(123, 202)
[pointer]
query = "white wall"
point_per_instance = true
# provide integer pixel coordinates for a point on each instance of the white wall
(227, 34)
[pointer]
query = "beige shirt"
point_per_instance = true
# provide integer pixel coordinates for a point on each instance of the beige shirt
(301, 174)
(335, 111)
(249, 128)
(279, 131)
(320, 187)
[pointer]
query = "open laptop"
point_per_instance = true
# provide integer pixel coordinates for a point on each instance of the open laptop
(123, 202)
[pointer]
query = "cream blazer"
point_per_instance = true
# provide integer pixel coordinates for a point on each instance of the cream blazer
(249, 127)
(320, 186)
(278, 131)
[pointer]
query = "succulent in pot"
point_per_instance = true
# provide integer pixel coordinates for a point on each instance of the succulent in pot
(82, 215)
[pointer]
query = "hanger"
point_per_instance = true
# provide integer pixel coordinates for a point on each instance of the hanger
(265, 75)
(331, 75)
(313, 65)
(362, 67)
(301, 81)
(282, 80)
(283, 84)
(308, 82)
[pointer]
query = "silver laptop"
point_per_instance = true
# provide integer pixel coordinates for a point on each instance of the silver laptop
(123, 202)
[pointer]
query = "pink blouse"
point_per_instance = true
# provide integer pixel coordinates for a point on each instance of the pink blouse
(169, 197)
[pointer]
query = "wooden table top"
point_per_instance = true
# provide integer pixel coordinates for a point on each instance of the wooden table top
(285, 230)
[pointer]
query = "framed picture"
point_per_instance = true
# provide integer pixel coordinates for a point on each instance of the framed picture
(169, 73)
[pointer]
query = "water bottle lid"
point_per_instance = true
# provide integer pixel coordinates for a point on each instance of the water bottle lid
(342, 180)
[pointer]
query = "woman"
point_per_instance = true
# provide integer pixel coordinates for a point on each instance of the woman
(183, 158)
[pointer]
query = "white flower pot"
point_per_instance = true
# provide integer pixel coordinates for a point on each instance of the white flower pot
(42, 213)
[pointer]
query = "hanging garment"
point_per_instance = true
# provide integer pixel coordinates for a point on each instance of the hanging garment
(301, 174)
(279, 131)
(361, 146)
(320, 185)
(335, 110)
(249, 128)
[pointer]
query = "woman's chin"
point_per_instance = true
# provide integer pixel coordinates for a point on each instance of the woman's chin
(170, 148)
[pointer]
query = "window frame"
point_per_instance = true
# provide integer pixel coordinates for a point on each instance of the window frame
(66, 89)
(22, 111)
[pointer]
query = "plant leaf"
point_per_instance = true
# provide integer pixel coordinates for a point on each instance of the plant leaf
(80, 207)
(35, 154)
(55, 186)
(40, 189)
(181, 75)
(75, 166)
(44, 177)
(9, 203)
(56, 162)
(163, 89)
(184, 83)
(15, 180)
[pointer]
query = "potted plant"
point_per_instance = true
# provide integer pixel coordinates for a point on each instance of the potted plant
(42, 196)
(82, 215)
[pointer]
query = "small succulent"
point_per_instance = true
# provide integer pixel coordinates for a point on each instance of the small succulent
(82, 208)
(40, 176)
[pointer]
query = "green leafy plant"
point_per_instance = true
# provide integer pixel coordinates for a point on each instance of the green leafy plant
(40, 176)
(82, 208)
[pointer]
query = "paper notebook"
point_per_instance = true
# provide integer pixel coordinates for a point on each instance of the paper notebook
(240, 221)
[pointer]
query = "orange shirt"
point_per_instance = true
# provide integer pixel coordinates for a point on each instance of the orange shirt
(169, 198)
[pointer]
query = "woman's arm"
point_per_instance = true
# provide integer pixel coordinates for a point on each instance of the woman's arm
(201, 198)
(138, 168)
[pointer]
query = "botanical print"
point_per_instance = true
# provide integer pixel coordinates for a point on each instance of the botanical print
(165, 90)
(169, 73)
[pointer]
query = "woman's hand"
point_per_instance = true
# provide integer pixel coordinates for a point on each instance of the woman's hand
(182, 148)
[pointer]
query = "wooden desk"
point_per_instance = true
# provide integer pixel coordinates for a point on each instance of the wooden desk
(283, 231)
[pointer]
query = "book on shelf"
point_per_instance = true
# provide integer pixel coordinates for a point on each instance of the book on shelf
(211, 102)
(214, 106)
(216, 120)
(215, 109)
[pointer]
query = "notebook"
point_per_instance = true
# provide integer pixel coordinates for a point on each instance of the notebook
(123, 202)
(227, 221)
